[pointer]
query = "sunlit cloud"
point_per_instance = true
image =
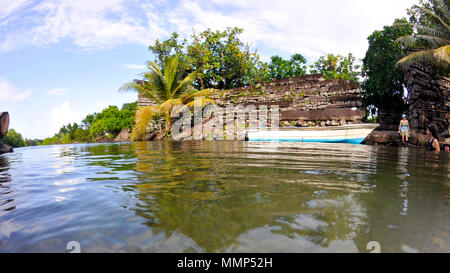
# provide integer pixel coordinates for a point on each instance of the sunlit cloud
(134, 66)
(312, 28)
(56, 92)
(10, 93)
(89, 24)
(61, 115)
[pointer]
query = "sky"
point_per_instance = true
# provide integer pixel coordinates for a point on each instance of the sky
(61, 60)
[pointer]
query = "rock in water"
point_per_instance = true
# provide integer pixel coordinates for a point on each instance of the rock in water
(5, 148)
(4, 123)
(123, 136)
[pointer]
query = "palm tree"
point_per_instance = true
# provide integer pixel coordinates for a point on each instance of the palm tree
(432, 39)
(167, 88)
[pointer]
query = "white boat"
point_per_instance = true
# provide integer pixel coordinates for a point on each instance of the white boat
(354, 134)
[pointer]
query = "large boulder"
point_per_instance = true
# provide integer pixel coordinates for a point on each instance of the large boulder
(5, 148)
(4, 123)
(383, 137)
(123, 136)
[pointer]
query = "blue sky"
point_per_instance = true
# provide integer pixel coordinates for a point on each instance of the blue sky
(61, 60)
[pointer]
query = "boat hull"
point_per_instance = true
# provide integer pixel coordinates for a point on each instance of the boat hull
(353, 134)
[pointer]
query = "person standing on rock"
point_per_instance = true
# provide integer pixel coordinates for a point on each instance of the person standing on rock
(403, 128)
(433, 142)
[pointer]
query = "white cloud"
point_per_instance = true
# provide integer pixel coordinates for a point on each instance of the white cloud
(7, 7)
(62, 115)
(134, 66)
(9, 92)
(312, 28)
(56, 92)
(89, 24)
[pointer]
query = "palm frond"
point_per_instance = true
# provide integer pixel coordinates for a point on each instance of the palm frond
(144, 116)
(436, 18)
(168, 105)
(433, 41)
(436, 31)
(182, 87)
(442, 54)
(186, 98)
(171, 70)
(201, 102)
(436, 57)
(135, 87)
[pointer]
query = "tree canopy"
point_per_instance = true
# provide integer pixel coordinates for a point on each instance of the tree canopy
(279, 68)
(219, 58)
(383, 80)
(14, 139)
(337, 67)
(429, 43)
(106, 124)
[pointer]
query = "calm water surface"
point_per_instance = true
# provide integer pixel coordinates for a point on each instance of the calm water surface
(224, 197)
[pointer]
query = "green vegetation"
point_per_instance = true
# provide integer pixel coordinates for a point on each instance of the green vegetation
(168, 88)
(222, 61)
(424, 38)
(430, 40)
(105, 125)
(219, 58)
(278, 68)
(13, 139)
(383, 80)
(337, 67)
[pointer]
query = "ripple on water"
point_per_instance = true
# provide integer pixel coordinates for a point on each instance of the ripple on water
(225, 196)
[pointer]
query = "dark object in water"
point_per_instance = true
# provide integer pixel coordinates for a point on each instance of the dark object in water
(5, 148)
(4, 123)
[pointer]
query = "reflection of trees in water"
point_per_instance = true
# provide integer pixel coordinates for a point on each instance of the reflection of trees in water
(206, 191)
(408, 207)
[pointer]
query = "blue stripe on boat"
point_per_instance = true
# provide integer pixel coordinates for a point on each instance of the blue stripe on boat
(350, 141)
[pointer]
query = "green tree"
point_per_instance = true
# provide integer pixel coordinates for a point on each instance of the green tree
(127, 115)
(81, 135)
(33, 142)
(107, 123)
(219, 58)
(168, 48)
(168, 88)
(383, 80)
(278, 68)
(337, 67)
(13, 139)
(430, 40)
(86, 123)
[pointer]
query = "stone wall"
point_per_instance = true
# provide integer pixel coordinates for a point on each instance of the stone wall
(428, 99)
(143, 101)
(304, 101)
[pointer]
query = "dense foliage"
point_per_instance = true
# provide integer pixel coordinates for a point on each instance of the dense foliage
(337, 67)
(383, 82)
(167, 88)
(104, 125)
(219, 58)
(429, 43)
(279, 68)
(13, 139)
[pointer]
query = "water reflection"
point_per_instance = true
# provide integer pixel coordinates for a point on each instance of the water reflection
(215, 197)
(6, 192)
(226, 196)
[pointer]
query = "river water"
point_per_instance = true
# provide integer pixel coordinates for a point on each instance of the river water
(224, 196)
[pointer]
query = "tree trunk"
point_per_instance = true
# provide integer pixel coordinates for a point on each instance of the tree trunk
(4, 123)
